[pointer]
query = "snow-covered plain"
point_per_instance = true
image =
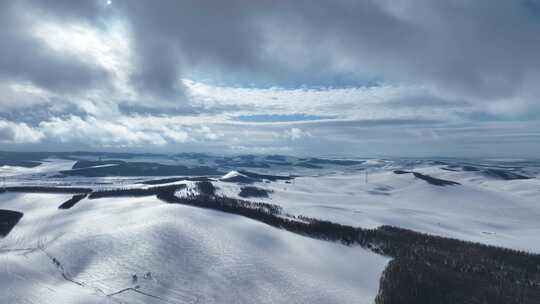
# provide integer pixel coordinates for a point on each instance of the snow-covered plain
(193, 256)
(203, 256)
(498, 212)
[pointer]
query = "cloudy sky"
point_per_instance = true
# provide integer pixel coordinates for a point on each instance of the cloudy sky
(358, 77)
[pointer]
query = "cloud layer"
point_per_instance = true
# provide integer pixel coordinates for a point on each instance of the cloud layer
(340, 77)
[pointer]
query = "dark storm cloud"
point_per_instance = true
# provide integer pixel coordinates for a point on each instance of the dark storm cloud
(169, 34)
(484, 49)
(481, 49)
(25, 59)
(239, 40)
(477, 49)
(6, 134)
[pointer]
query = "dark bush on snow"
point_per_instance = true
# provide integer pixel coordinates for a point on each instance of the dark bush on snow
(258, 176)
(135, 191)
(19, 163)
(429, 179)
(46, 189)
(8, 220)
(72, 201)
(206, 188)
(250, 191)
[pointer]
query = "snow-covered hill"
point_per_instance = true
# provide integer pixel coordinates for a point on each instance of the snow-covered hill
(142, 250)
(192, 256)
(497, 212)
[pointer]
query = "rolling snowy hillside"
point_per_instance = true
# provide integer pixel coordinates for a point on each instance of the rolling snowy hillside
(192, 255)
(103, 249)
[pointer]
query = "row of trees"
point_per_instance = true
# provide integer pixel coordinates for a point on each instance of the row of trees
(425, 268)
(46, 189)
(134, 192)
(72, 201)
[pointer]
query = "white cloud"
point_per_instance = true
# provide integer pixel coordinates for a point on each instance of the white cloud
(15, 95)
(125, 131)
(109, 48)
(176, 136)
(94, 132)
(377, 102)
(18, 133)
(296, 134)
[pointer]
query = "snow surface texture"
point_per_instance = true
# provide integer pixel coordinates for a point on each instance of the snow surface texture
(195, 255)
(179, 254)
(499, 212)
